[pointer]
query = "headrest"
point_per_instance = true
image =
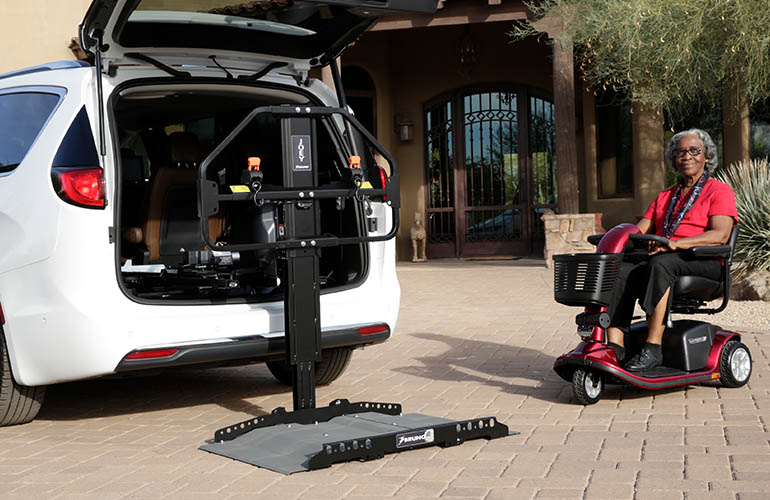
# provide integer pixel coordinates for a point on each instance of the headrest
(185, 150)
(131, 165)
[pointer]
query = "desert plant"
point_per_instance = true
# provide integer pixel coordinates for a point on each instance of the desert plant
(751, 182)
(677, 55)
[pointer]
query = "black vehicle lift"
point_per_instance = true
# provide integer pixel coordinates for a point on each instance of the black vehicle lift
(310, 437)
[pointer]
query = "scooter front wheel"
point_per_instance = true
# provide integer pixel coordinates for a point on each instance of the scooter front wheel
(735, 364)
(587, 386)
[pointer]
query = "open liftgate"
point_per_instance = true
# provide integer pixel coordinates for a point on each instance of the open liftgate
(309, 437)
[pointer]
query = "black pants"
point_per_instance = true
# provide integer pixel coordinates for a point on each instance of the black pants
(648, 277)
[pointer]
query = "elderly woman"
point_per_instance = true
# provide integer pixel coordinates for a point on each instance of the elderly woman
(696, 211)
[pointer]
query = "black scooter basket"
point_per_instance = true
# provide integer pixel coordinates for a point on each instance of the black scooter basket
(585, 279)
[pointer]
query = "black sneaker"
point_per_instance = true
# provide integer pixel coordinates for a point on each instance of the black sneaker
(645, 360)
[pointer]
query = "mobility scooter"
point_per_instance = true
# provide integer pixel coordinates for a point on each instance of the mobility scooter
(693, 351)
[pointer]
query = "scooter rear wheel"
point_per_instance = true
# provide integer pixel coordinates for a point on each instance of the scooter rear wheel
(735, 364)
(587, 386)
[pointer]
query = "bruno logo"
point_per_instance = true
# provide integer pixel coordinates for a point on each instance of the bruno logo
(414, 438)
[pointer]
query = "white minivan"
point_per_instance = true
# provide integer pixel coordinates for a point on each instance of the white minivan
(103, 265)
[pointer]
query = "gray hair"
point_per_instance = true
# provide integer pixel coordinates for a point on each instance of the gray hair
(709, 149)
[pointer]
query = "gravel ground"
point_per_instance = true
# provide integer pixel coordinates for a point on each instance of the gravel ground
(753, 315)
(739, 314)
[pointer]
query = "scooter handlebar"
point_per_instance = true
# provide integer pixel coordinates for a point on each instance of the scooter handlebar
(649, 237)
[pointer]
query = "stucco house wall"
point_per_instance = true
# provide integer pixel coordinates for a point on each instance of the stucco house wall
(38, 31)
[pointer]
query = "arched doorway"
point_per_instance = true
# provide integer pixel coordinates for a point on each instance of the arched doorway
(490, 171)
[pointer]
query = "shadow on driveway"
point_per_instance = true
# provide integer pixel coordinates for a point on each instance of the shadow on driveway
(511, 368)
(171, 389)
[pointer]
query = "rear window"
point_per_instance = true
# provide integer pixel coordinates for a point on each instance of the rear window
(22, 117)
(78, 148)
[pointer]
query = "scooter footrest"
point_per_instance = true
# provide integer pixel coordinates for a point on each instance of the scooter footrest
(660, 371)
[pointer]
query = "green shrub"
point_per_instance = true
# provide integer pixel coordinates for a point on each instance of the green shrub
(751, 182)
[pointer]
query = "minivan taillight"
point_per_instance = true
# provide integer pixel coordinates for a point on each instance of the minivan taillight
(83, 187)
(151, 354)
(372, 330)
(384, 179)
(2, 316)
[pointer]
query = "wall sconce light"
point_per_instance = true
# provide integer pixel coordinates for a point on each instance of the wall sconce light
(404, 127)
(467, 52)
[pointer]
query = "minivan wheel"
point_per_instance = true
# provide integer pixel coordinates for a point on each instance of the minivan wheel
(330, 368)
(19, 404)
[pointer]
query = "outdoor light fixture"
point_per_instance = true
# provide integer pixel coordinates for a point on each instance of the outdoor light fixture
(467, 52)
(404, 127)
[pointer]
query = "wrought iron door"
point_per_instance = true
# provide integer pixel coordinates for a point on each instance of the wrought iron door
(486, 188)
(491, 208)
(441, 225)
(542, 159)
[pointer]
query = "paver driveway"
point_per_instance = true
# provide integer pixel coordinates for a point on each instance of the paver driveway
(474, 339)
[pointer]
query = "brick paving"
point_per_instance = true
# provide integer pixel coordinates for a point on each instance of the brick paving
(474, 339)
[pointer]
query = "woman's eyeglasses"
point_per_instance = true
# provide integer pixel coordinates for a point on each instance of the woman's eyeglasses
(693, 152)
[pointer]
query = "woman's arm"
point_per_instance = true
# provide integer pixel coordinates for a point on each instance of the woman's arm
(644, 225)
(718, 233)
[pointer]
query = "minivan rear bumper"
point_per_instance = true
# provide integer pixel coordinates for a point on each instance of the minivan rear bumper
(254, 348)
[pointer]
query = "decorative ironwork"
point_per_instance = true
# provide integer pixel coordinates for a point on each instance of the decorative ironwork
(491, 165)
(493, 225)
(491, 206)
(500, 115)
(439, 151)
(441, 227)
(542, 146)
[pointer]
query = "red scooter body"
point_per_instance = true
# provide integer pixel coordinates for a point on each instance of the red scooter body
(592, 362)
(597, 356)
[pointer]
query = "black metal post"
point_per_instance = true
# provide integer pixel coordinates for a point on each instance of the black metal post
(100, 92)
(337, 77)
(302, 308)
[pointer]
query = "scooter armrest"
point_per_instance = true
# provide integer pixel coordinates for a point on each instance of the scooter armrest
(594, 239)
(710, 251)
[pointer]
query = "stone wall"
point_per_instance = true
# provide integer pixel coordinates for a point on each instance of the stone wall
(568, 233)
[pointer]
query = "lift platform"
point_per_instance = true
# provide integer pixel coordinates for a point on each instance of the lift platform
(316, 438)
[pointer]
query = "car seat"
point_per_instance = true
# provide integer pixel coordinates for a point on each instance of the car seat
(172, 228)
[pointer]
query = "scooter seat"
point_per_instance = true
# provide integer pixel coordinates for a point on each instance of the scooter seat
(697, 287)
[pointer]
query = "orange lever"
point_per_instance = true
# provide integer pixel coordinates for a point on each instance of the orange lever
(355, 161)
(254, 163)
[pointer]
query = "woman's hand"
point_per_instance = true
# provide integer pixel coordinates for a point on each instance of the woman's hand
(655, 247)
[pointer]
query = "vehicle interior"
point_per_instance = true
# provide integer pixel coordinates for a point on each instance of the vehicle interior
(165, 133)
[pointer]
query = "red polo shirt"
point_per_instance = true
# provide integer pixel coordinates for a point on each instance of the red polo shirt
(717, 198)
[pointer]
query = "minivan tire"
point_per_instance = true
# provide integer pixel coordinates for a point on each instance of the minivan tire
(19, 404)
(333, 364)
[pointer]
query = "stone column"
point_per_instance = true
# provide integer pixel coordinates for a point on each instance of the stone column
(568, 233)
